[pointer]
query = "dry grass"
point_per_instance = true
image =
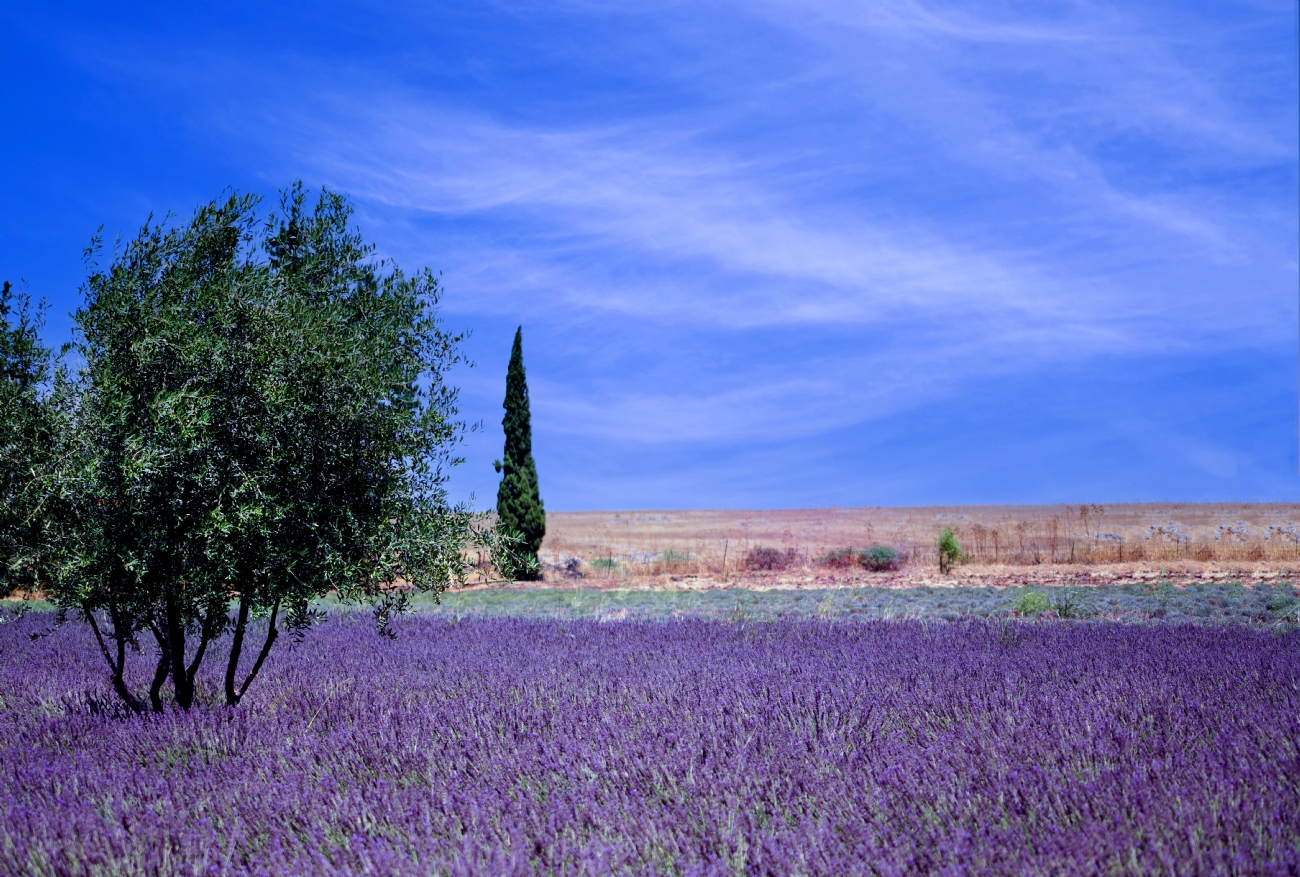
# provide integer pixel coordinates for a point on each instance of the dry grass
(1019, 543)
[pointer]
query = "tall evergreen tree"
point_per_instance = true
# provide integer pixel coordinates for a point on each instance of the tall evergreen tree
(519, 504)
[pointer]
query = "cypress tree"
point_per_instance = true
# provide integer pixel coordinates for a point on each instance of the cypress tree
(519, 504)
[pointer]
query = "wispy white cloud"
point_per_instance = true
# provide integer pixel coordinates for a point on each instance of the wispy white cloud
(917, 20)
(1053, 102)
(726, 223)
(667, 200)
(597, 191)
(749, 253)
(729, 246)
(1074, 143)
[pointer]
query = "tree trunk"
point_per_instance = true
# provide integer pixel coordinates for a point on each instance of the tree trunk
(176, 646)
(236, 648)
(206, 631)
(233, 697)
(116, 667)
(160, 674)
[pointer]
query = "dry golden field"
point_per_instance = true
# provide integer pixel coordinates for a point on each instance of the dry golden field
(1006, 545)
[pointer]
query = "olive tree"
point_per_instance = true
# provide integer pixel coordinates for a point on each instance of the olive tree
(263, 418)
(28, 435)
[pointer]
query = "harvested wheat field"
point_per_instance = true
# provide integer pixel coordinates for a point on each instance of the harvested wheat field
(1003, 546)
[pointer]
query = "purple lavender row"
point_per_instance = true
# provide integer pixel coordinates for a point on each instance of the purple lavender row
(693, 748)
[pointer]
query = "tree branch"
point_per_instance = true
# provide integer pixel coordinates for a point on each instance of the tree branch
(94, 626)
(236, 650)
(119, 683)
(205, 636)
(271, 633)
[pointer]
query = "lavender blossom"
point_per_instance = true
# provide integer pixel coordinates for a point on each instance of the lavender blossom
(695, 748)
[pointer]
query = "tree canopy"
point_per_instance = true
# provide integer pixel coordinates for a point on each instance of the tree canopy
(263, 417)
(27, 438)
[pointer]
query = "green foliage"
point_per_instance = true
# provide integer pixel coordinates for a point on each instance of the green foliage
(879, 558)
(263, 418)
(511, 558)
(950, 552)
(28, 439)
(519, 503)
(1070, 603)
(605, 564)
(1130, 603)
(1282, 605)
(1115, 604)
(839, 557)
(1031, 603)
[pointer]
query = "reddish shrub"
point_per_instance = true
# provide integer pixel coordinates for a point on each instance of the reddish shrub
(762, 558)
(841, 558)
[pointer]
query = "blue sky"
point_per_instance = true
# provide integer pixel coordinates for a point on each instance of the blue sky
(766, 254)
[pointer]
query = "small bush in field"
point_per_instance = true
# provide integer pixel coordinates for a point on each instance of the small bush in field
(840, 558)
(1071, 603)
(763, 558)
(1031, 603)
(879, 558)
(950, 552)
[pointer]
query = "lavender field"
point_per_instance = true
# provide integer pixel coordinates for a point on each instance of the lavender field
(508, 746)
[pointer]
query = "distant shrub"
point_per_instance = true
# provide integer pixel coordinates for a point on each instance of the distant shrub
(1031, 603)
(764, 558)
(879, 558)
(1282, 604)
(671, 561)
(1070, 603)
(840, 558)
(950, 552)
(605, 564)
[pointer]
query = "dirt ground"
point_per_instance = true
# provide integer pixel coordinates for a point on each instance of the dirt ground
(1009, 546)
(1177, 574)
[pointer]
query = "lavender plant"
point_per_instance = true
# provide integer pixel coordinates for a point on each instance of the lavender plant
(574, 748)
